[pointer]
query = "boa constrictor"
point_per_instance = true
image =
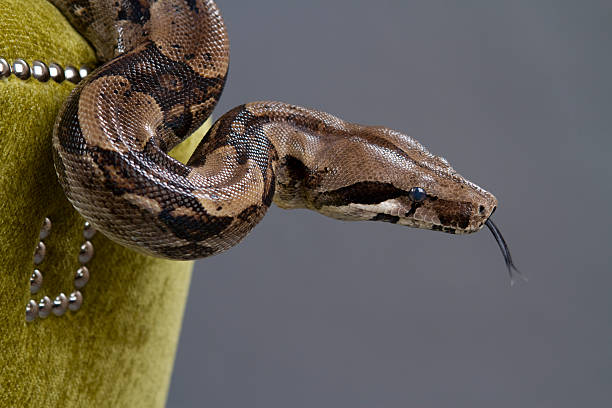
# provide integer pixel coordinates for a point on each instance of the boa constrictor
(165, 65)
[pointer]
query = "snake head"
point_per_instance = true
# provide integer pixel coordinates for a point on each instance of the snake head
(382, 175)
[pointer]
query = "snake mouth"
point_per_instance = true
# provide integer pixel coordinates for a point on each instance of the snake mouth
(512, 270)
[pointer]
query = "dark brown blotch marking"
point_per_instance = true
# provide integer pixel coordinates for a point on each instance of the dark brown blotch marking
(194, 228)
(171, 82)
(393, 219)
(134, 11)
(413, 207)
(269, 189)
(115, 172)
(364, 192)
(188, 251)
(193, 6)
(251, 214)
(453, 213)
(294, 171)
(442, 228)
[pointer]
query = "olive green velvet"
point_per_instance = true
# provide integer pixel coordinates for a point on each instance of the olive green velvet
(118, 349)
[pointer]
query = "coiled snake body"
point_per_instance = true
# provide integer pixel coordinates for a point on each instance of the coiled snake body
(165, 67)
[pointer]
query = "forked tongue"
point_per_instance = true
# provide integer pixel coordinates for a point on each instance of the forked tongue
(512, 271)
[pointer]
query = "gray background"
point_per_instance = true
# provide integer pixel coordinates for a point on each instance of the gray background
(313, 312)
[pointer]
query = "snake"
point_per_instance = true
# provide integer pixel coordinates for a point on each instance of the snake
(163, 68)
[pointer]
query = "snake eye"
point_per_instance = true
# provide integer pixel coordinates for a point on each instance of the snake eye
(417, 194)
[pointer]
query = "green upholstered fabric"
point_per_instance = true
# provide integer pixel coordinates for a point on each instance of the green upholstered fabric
(118, 350)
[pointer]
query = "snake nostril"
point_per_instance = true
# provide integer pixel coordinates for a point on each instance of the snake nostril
(481, 209)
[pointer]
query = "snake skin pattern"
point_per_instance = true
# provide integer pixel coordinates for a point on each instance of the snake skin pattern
(165, 64)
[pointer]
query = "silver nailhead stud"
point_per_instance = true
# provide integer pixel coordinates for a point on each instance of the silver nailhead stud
(86, 252)
(46, 229)
(40, 71)
(40, 252)
(60, 304)
(83, 71)
(88, 230)
(36, 281)
(44, 307)
(31, 311)
(56, 72)
(72, 74)
(81, 277)
(5, 68)
(75, 301)
(21, 69)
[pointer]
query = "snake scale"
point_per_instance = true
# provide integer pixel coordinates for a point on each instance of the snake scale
(164, 67)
